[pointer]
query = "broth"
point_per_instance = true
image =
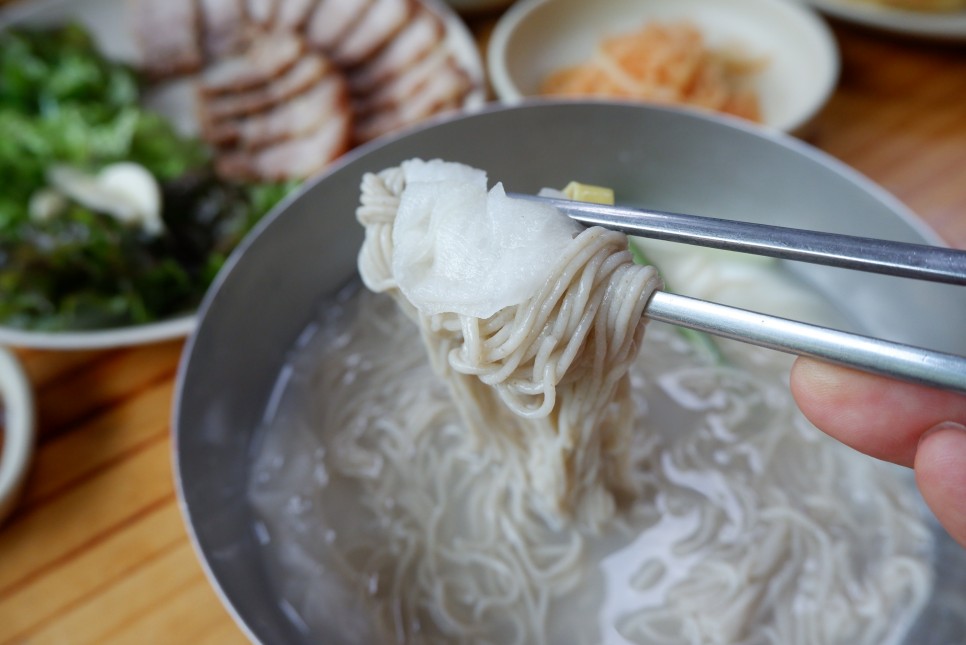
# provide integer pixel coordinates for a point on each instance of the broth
(379, 516)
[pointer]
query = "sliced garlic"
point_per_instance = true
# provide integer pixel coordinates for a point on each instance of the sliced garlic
(139, 187)
(126, 191)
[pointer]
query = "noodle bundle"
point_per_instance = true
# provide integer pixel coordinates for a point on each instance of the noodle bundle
(557, 360)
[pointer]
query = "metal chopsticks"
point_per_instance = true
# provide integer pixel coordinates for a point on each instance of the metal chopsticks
(906, 362)
(903, 259)
(919, 261)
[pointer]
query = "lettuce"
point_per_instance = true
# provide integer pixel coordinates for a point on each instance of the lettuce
(62, 102)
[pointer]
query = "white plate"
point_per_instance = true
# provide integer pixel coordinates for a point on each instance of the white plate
(537, 37)
(100, 338)
(949, 26)
(106, 20)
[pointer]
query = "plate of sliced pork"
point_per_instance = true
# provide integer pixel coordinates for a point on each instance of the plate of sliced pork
(285, 86)
(200, 116)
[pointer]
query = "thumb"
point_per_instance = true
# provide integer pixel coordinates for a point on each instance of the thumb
(940, 466)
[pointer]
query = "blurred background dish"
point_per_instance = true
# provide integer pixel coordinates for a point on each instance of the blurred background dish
(945, 25)
(225, 108)
(472, 7)
(706, 165)
(16, 430)
(792, 55)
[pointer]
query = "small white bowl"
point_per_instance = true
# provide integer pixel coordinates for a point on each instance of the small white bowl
(537, 37)
(16, 398)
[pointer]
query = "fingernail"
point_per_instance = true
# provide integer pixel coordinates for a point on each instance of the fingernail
(939, 427)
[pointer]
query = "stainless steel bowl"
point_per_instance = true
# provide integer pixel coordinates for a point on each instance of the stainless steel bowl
(669, 159)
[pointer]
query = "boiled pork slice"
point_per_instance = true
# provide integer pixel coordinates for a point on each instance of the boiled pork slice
(399, 88)
(293, 14)
(442, 91)
(380, 23)
(415, 41)
(332, 19)
(288, 120)
(169, 36)
(261, 12)
(267, 59)
(308, 71)
(225, 27)
(293, 158)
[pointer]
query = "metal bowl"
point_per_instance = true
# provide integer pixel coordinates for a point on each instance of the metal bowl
(270, 289)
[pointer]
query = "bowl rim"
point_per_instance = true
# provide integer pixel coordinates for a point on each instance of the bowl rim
(16, 397)
(943, 27)
(805, 17)
(110, 337)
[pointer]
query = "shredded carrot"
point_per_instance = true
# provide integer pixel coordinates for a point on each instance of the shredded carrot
(665, 63)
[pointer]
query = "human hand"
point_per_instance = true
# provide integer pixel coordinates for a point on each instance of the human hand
(911, 425)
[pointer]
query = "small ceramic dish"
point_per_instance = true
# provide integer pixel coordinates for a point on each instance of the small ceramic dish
(947, 26)
(537, 37)
(17, 426)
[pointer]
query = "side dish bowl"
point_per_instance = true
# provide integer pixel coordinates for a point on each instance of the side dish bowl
(110, 25)
(273, 284)
(801, 60)
(941, 26)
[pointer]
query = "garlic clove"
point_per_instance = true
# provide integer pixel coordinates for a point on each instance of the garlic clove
(133, 183)
(126, 191)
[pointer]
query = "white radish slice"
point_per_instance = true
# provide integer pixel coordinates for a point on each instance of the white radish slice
(460, 249)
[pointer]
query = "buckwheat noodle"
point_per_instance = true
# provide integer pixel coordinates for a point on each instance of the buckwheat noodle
(558, 362)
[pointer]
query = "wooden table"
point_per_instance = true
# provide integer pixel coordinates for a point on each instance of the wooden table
(98, 553)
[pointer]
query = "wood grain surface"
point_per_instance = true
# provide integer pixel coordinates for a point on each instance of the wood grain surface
(97, 551)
